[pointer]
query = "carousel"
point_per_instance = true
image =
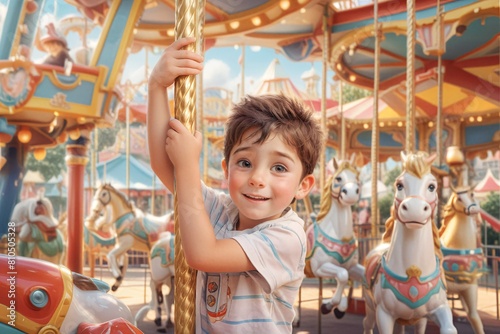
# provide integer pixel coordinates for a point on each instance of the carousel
(433, 68)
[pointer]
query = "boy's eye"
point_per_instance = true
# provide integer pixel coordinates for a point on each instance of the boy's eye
(279, 168)
(244, 163)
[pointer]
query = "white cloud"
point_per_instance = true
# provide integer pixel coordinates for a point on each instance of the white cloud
(216, 73)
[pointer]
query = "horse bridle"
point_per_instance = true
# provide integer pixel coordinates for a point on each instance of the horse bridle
(103, 203)
(465, 209)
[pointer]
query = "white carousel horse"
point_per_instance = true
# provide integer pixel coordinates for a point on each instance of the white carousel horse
(331, 244)
(162, 273)
(405, 283)
(37, 230)
(50, 298)
(134, 230)
(463, 258)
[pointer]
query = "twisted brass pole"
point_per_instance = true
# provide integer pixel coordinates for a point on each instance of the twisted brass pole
(410, 73)
(343, 135)
(186, 24)
(375, 129)
(326, 45)
(439, 121)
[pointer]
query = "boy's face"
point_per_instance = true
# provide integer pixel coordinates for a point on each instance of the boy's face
(264, 178)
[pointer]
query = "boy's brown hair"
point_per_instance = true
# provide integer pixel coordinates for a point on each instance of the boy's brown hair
(276, 115)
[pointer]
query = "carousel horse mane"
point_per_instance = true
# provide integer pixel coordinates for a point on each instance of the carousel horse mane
(448, 213)
(326, 197)
(417, 164)
(326, 200)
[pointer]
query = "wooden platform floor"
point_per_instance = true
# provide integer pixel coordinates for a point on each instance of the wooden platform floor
(135, 293)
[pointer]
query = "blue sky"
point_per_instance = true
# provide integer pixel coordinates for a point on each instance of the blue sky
(221, 64)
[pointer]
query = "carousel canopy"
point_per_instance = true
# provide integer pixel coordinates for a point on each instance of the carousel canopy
(488, 183)
(141, 176)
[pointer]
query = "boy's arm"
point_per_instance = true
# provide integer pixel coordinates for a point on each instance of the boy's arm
(173, 62)
(202, 250)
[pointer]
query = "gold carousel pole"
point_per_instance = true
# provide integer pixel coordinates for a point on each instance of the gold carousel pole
(439, 121)
(187, 23)
(242, 85)
(375, 129)
(322, 157)
(343, 135)
(326, 45)
(410, 73)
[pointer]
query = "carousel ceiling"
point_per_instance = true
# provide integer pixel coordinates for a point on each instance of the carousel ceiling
(294, 28)
(470, 58)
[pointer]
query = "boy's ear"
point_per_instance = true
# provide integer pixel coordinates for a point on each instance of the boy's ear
(305, 186)
(224, 167)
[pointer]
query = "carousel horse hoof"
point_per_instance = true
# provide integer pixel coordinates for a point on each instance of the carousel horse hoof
(161, 330)
(338, 313)
(326, 308)
(343, 304)
(158, 322)
(169, 324)
(117, 283)
(296, 324)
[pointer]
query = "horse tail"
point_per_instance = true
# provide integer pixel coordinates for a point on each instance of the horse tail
(308, 270)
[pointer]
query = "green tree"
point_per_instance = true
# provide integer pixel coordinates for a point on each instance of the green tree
(352, 93)
(107, 136)
(54, 162)
(52, 165)
(492, 206)
(391, 176)
(384, 206)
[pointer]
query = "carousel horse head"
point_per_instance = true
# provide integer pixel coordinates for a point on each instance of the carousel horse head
(342, 187)
(32, 210)
(37, 230)
(54, 300)
(462, 200)
(106, 196)
(415, 196)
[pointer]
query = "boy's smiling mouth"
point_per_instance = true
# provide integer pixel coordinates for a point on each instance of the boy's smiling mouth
(257, 198)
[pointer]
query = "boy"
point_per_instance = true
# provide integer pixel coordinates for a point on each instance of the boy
(248, 247)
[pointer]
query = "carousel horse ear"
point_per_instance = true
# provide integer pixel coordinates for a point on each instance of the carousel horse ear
(403, 156)
(353, 159)
(430, 159)
(335, 164)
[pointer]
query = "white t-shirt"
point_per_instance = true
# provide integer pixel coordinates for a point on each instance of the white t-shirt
(259, 301)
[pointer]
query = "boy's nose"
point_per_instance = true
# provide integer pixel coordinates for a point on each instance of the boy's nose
(256, 179)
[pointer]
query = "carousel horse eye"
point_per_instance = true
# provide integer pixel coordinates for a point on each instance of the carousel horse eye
(338, 179)
(39, 298)
(399, 186)
(432, 188)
